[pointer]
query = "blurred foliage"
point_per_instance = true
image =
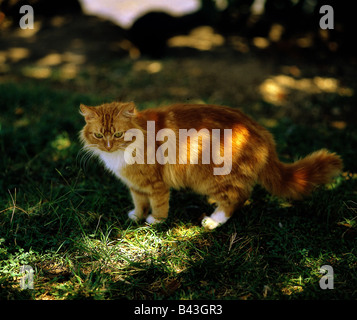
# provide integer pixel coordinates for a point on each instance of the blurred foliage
(294, 18)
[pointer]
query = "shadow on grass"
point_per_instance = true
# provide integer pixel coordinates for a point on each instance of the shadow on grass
(271, 249)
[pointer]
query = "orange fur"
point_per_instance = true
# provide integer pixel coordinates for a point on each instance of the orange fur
(254, 158)
(300, 178)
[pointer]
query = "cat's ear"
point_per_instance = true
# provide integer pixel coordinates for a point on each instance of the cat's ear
(128, 110)
(87, 112)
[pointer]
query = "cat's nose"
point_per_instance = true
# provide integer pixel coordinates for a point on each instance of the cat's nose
(108, 145)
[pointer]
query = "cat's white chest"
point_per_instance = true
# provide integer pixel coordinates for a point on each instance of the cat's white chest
(114, 162)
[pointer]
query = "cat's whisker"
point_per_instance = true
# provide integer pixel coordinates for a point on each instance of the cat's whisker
(85, 159)
(80, 155)
(85, 154)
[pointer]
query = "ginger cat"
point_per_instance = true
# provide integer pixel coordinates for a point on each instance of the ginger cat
(245, 150)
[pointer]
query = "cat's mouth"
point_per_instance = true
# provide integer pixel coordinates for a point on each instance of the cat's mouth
(110, 150)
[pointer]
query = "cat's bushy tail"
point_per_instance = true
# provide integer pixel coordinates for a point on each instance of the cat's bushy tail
(298, 179)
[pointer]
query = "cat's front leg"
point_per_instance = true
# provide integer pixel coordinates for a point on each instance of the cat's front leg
(141, 203)
(159, 202)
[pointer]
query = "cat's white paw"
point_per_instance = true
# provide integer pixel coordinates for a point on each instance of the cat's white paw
(151, 220)
(216, 219)
(133, 216)
(209, 223)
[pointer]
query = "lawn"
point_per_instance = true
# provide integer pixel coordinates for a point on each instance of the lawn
(64, 216)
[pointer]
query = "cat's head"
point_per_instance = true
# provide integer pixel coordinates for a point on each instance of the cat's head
(106, 125)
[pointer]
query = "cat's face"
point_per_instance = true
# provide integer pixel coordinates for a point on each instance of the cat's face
(106, 125)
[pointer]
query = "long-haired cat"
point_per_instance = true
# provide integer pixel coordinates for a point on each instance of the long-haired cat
(252, 155)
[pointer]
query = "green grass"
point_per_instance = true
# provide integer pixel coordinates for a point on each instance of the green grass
(61, 214)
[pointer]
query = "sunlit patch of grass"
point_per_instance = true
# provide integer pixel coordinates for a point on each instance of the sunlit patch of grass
(135, 247)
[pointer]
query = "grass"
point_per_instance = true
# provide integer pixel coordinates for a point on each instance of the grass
(66, 218)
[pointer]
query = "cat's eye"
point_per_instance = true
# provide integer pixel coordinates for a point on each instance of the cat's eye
(118, 134)
(98, 135)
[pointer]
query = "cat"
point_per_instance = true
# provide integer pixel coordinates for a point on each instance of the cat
(253, 158)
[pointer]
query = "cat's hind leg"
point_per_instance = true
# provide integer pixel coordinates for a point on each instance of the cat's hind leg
(217, 218)
(228, 202)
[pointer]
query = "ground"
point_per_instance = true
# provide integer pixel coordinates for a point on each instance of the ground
(65, 217)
